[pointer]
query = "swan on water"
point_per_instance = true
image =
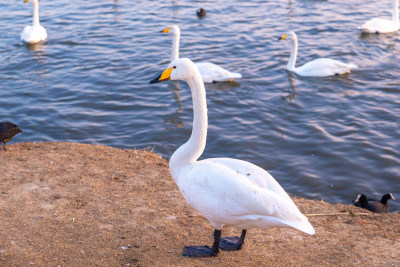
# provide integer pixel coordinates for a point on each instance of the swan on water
(378, 25)
(320, 67)
(210, 72)
(35, 33)
(226, 191)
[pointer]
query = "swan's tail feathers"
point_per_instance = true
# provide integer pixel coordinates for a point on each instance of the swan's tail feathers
(352, 66)
(304, 226)
(236, 75)
(229, 77)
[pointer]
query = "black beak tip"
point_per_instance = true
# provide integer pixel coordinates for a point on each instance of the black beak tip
(156, 80)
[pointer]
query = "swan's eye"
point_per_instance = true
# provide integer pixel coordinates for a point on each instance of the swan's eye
(174, 67)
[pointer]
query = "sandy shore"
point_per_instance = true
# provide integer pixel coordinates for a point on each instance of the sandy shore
(67, 204)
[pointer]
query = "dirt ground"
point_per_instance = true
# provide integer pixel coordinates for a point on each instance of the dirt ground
(67, 204)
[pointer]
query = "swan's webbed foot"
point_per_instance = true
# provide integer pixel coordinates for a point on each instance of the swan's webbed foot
(204, 251)
(232, 243)
(199, 252)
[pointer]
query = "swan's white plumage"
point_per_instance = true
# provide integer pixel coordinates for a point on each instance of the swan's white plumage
(35, 33)
(378, 25)
(226, 191)
(210, 72)
(321, 67)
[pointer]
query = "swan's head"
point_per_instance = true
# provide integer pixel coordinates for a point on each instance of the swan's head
(292, 36)
(33, 1)
(174, 29)
(180, 69)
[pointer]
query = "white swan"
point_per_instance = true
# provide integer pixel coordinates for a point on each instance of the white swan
(378, 25)
(209, 71)
(226, 191)
(320, 67)
(35, 33)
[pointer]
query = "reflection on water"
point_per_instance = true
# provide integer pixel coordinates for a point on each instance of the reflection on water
(291, 94)
(222, 86)
(329, 138)
(174, 86)
(37, 47)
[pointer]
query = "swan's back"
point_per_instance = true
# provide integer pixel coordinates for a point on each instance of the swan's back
(378, 25)
(253, 173)
(323, 67)
(211, 72)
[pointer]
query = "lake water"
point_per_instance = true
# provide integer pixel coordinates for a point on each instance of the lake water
(321, 138)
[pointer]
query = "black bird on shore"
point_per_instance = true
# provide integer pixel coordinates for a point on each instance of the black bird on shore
(372, 204)
(7, 131)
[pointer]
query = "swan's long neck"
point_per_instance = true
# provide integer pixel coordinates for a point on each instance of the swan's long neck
(35, 20)
(175, 46)
(190, 151)
(293, 55)
(395, 12)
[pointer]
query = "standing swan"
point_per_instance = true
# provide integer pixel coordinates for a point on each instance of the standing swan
(226, 191)
(378, 25)
(35, 33)
(209, 71)
(320, 67)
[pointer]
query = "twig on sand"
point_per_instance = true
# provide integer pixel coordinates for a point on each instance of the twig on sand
(338, 213)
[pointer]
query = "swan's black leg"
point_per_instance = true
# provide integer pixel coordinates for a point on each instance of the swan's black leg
(233, 243)
(204, 251)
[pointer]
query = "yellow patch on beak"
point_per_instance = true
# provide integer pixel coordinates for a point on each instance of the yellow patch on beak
(283, 37)
(165, 76)
(166, 30)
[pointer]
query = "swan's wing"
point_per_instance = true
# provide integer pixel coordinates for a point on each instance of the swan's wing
(225, 196)
(378, 25)
(251, 172)
(25, 33)
(322, 67)
(214, 73)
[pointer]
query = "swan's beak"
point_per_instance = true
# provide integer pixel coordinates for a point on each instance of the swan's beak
(26, 1)
(165, 76)
(283, 37)
(166, 30)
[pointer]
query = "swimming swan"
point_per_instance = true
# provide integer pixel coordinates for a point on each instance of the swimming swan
(226, 191)
(36, 32)
(378, 25)
(321, 67)
(209, 71)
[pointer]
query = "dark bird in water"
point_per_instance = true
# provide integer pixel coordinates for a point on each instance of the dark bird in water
(7, 131)
(201, 12)
(372, 204)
